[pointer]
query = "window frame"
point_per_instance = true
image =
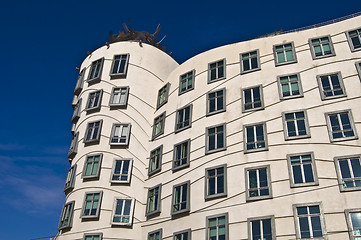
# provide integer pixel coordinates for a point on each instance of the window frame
(300, 89)
(225, 215)
(260, 87)
(162, 125)
(79, 82)
(123, 74)
(245, 126)
(93, 140)
(120, 105)
(329, 127)
(70, 179)
(97, 174)
(131, 213)
(208, 113)
(193, 72)
(251, 69)
(207, 151)
(252, 219)
(322, 220)
(97, 77)
(339, 172)
(349, 222)
(277, 63)
(157, 204)
(160, 231)
(112, 135)
(291, 173)
(71, 214)
(352, 47)
(130, 170)
(99, 103)
(164, 90)
(187, 208)
(96, 216)
(77, 111)
(358, 67)
(188, 231)
(217, 71)
(73, 149)
(208, 196)
(320, 86)
(159, 160)
(312, 49)
(99, 235)
(177, 113)
(285, 129)
(188, 143)
(269, 183)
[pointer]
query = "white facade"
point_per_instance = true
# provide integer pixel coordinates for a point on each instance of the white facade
(288, 125)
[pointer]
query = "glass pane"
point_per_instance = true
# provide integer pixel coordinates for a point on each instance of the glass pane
(304, 228)
(297, 174)
(356, 168)
(267, 229)
(308, 173)
(345, 170)
(316, 226)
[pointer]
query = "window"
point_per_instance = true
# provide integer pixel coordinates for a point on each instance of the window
(258, 183)
(155, 160)
(73, 128)
(73, 150)
(340, 126)
(155, 235)
(284, 54)
(321, 47)
(181, 155)
(75, 101)
(92, 166)
(250, 61)
(70, 179)
(96, 70)
(123, 212)
(120, 65)
(309, 221)
(163, 95)
(261, 228)
(217, 227)
(348, 170)
(354, 39)
(216, 101)
(120, 134)
(91, 206)
(289, 86)
(216, 138)
(295, 125)
(358, 67)
(66, 218)
(302, 170)
(119, 97)
(92, 133)
(93, 236)
(252, 98)
(122, 171)
(186, 82)
(331, 86)
(182, 235)
(153, 200)
(180, 198)
(216, 182)
(158, 126)
(254, 137)
(216, 71)
(79, 82)
(183, 118)
(77, 110)
(353, 218)
(94, 100)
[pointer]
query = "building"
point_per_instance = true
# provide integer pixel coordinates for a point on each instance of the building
(252, 140)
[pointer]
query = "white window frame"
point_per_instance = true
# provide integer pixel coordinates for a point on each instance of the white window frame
(259, 188)
(121, 92)
(98, 65)
(329, 126)
(124, 58)
(295, 121)
(159, 122)
(97, 173)
(121, 173)
(70, 179)
(289, 83)
(79, 82)
(249, 60)
(123, 139)
(245, 141)
(252, 89)
(221, 62)
(312, 47)
(181, 186)
(332, 90)
(302, 169)
(156, 205)
(225, 215)
(261, 219)
(224, 137)
(162, 97)
(216, 98)
(73, 149)
(181, 123)
(294, 60)
(131, 211)
(157, 158)
(350, 227)
(67, 211)
(96, 215)
(352, 178)
(92, 235)
(352, 47)
(207, 178)
(93, 139)
(189, 76)
(90, 106)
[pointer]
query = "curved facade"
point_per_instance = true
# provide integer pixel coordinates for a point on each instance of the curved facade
(253, 140)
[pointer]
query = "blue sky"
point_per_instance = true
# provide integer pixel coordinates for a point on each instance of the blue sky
(43, 41)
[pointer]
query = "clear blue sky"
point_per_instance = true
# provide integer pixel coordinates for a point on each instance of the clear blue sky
(43, 41)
